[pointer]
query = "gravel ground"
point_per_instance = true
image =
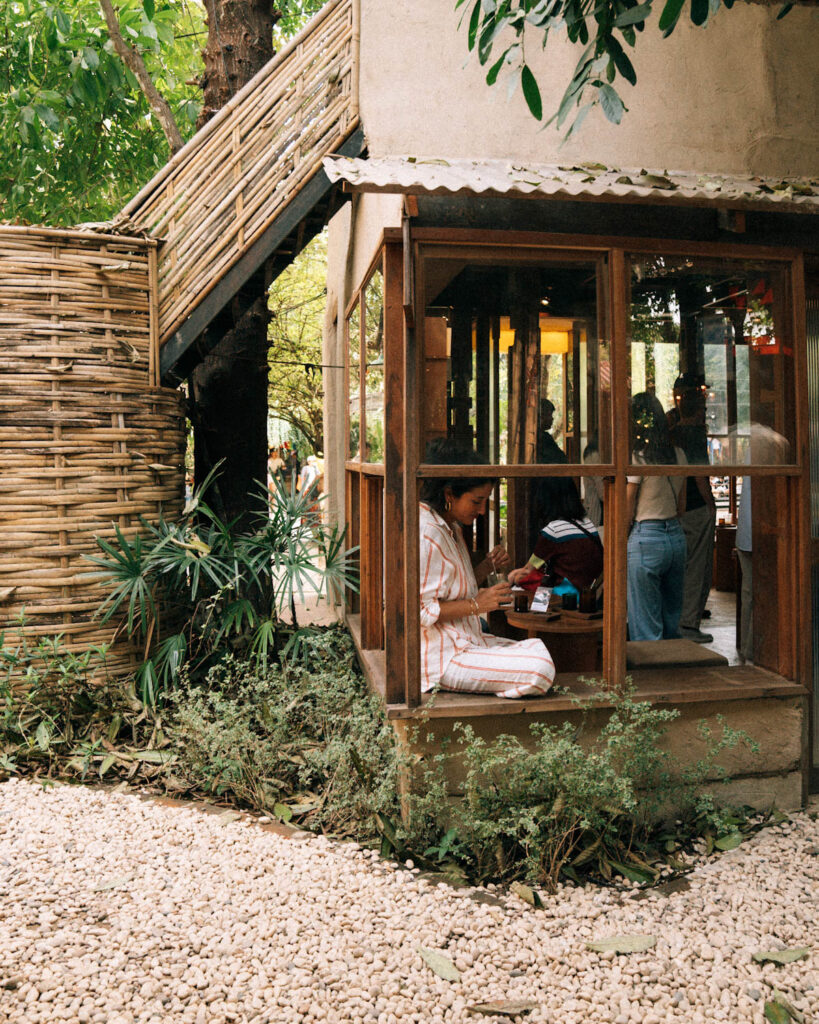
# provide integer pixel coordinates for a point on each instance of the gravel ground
(120, 910)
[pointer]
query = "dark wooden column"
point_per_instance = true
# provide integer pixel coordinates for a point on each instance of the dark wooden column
(394, 469)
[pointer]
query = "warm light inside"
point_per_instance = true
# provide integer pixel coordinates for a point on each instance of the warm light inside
(555, 335)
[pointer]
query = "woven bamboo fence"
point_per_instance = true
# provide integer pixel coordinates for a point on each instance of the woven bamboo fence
(87, 438)
(229, 183)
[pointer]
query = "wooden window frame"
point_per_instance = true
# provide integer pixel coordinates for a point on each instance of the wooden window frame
(427, 243)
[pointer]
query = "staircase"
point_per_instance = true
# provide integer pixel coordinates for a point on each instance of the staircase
(248, 191)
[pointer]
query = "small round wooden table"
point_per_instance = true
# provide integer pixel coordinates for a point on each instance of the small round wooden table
(572, 641)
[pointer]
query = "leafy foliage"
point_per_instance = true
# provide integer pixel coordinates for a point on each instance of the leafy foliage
(606, 29)
(220, 591)
(572, 806)
(296, 382)
(62, 714)
(303, 740)
(76, 134)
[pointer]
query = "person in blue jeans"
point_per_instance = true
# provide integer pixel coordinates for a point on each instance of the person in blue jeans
(656, 543)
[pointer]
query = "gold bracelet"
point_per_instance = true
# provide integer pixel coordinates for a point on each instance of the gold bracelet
(476, 610)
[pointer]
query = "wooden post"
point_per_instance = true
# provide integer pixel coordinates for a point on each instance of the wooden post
(615, 555)
(394, 468)
(372, 563)
(410, 407)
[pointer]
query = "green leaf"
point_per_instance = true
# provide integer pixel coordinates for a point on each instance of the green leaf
(611, 103)
(633, 874)
(776, 1013)
(622, 62)
(670, 16)
(633, 15)
(473, 25)
(729, 842)
(783, 956)
(43, 736)
(531, 92)
(106, 763)
(156, 756)
(782, 1000)
(623, 944)
(90, 58)
(63, 24)
(494, 71)
(440, 964)
(283, 812)
(149, 8)
(784, 11)
(699, 11)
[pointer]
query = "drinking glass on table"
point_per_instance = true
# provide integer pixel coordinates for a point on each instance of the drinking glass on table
(493, 577)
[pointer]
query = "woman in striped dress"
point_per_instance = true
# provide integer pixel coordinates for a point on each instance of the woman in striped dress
(455, 653)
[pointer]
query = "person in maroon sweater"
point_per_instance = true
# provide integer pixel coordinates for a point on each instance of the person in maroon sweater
(568, 544)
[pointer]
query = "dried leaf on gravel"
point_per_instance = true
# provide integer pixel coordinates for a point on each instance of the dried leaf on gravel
(776, 1013)
(729, 842)
(782, 999)
(623, 944)
(112, 883)
(527, 894)
(782, 956)
(226, 817)
(440, 964)
(504, 1008)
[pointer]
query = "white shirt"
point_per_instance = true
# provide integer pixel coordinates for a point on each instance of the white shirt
(446, 575)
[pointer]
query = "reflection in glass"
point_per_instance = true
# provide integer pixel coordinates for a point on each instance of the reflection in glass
(374, 368)
(354, 383)
(514, 364)
(713, 336)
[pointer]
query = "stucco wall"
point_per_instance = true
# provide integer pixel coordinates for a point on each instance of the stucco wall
(741, 96)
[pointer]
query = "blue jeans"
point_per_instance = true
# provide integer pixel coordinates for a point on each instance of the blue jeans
(656, 576)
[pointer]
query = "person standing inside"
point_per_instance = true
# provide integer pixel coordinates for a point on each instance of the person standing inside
(656, 543)
(699, 520)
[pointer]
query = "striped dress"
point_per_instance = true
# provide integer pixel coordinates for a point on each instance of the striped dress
(457, 655)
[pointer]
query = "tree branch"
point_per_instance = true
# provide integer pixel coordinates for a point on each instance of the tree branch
(134, 62)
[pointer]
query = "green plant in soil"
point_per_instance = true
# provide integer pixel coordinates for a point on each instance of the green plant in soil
(618, 806)
(192, 591)
(303, 740)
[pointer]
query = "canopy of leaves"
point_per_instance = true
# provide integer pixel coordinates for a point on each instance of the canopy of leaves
(499, 30)
(297, 303)
(76, 135)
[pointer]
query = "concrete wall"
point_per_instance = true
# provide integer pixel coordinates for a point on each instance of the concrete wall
(740, 96)
(760, 779)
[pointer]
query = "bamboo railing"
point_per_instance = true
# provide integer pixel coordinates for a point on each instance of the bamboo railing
(223, 189)
(87, 439)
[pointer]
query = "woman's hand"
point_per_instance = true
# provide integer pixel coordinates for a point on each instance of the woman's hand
(491, 598)
(519, 574)
(499, 557)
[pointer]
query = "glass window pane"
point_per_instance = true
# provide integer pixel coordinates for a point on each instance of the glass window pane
(354, 384)
(711, 361)
(374, 369)
(516, 364)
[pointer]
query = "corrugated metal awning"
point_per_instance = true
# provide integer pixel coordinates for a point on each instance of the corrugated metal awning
(589, 181)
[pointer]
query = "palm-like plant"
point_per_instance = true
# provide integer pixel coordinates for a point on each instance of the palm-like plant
(215, 590)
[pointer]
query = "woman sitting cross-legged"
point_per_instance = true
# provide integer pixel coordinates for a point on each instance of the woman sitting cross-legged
(569, 542)
(455, 653)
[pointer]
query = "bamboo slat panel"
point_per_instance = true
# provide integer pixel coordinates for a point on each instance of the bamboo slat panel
(87, 439)
(229, 183)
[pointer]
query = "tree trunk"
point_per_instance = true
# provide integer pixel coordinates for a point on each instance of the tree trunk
(229, 388)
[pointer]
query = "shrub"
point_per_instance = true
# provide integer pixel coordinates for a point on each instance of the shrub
(565, 807)
(214, 591)
(302, 740)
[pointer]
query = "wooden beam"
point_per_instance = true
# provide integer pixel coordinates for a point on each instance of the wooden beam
(318, 189)
(411, 410)
(394, 466)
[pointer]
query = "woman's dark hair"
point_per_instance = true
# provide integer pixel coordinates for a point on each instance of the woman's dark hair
(443, 451)
(557, 497)
(650, 436)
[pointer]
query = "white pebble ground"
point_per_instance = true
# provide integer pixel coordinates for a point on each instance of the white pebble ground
(119, 910)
